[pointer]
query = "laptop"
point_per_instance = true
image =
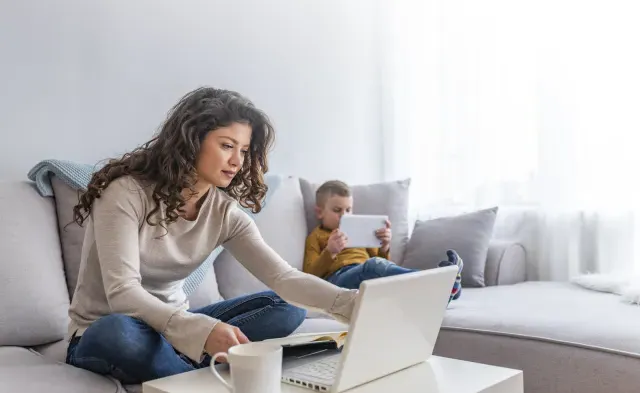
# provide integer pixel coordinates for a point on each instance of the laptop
(395, 324)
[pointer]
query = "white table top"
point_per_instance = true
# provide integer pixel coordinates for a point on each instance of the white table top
(436, 375)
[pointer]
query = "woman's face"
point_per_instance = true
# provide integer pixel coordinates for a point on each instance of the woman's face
(222, 154)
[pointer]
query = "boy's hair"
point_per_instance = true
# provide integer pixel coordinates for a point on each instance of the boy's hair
(331, 188)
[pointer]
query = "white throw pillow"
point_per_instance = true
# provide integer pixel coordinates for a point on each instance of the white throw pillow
(631, 293)
(603, 282)
(623, 284)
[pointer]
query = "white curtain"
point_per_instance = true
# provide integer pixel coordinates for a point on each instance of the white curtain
(531, 106)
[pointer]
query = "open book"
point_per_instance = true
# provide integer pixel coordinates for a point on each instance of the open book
(302, 343)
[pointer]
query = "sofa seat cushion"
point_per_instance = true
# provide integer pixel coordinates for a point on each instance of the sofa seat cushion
(551, 311)
(23, 370)
(56, 351)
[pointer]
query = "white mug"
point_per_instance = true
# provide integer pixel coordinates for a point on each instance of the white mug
(255, 368)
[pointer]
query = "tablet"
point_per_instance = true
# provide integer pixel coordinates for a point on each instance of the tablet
(361, 229)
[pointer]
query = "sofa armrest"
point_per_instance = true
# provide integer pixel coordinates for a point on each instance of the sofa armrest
(506, 263)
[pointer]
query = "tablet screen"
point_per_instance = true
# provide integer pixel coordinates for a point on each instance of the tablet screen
(361, 229)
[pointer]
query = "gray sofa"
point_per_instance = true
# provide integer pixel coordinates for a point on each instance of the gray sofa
(566, 339)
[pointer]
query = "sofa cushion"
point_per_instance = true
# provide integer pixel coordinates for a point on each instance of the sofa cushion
(56, 351)
(33, 293)
(22, 370)
(282, 225)
(388, 198)
(468, 234)
(549, 311)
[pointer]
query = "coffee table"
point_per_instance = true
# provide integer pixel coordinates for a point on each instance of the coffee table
(436, 375)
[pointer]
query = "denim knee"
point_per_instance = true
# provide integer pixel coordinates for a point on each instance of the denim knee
(295, 318)
(375, 266)
(290, 317)
(117, 335)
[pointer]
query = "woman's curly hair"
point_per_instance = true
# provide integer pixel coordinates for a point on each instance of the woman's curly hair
(168, 161)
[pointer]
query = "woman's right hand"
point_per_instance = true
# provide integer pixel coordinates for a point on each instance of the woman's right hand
(337, 242)
(222, 337)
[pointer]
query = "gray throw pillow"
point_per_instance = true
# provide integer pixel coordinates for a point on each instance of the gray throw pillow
(388, 198)
(468, 234)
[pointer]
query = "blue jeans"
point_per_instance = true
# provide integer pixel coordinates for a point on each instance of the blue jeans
(351, 276)
(133, 352)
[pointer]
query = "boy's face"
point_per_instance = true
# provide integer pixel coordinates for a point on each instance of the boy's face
(334, 208)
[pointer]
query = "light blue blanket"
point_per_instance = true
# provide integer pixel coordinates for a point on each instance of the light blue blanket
(75, 175)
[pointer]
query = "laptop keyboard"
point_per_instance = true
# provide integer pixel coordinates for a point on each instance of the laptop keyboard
(322, 371)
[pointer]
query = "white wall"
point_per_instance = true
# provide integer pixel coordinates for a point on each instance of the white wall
(86, 80)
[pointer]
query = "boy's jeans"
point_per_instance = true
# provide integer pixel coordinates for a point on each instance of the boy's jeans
(351, 276)
(133, 352)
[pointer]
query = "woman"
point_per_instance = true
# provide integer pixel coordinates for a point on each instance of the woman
(152, 217)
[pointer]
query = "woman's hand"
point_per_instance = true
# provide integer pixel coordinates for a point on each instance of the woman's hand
(222, 337)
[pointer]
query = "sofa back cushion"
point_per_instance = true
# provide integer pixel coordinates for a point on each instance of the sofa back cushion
(387, 198)
(283, 226)
(33, 295)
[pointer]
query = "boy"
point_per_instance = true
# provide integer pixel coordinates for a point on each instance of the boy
(326, 255)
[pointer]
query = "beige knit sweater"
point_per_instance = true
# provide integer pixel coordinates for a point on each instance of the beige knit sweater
(130, 267)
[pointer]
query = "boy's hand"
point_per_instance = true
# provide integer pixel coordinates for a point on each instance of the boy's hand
(384, 235)
(337, 242)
